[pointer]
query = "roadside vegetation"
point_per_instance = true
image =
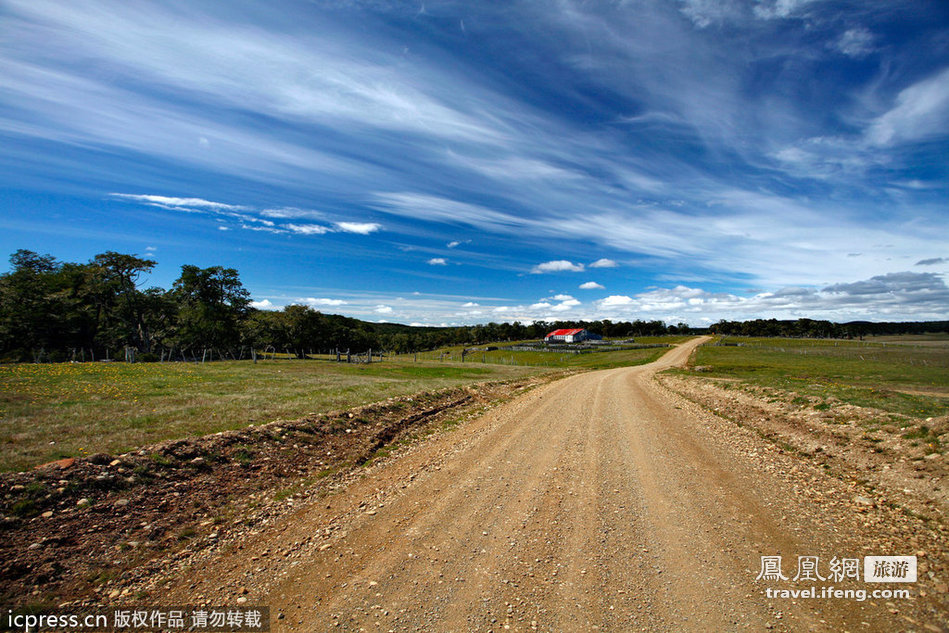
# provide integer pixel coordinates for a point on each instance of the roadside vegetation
(650, 348)
(56, 410)
(51, 411)
(905, 376)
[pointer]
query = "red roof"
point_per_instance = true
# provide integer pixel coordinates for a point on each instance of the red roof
(564, 332)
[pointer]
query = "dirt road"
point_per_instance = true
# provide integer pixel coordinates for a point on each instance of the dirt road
(598, 502)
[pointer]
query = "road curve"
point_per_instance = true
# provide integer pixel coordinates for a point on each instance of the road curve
(600, 502)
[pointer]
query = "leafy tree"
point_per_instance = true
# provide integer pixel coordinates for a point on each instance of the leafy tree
(159, 324)
(119, 304)
(304, 329)
(212, 302)
(29, 315)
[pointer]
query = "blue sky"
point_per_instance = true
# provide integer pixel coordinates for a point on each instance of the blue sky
(465, 162)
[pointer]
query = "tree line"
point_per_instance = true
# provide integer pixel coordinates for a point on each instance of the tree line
(51, 310)
(810, 328)
(60, 311)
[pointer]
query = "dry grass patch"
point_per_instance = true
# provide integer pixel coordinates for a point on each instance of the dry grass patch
(52, 411)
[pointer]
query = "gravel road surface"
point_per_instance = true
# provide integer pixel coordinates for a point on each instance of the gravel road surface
(600, 502)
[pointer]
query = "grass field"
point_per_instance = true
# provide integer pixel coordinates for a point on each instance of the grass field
(49, 411)
(593, 360)
(904, 376)
(940, 339)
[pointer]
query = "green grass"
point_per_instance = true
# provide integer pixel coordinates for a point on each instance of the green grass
(592, 360)
(63, 410)
(934, 338)
(68, 410)
(907, 379)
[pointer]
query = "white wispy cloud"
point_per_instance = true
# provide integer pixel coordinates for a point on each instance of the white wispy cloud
(921, 111)
(292, 213)
(437, 261)
(321, 301)
(249, 218)
(293, 77)
(857, 42)
(264, 228)
(79, 111)
(814, 241)
(518, 168)
(308, 229)
(904, 295)
(557, 266)
(615, 300)
(591, 285)
(772, 9)
(565, 305)
(440, 209)
(893, 296)
(362, 228)
(695, 155)
(704, 13)
(177, 203)
(604, 263)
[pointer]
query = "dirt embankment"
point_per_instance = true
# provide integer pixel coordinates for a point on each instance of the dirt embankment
(83, 529)
(899, 461)
(894, 486)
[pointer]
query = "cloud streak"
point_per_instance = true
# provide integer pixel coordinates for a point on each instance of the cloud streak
(168, 202)
(248, 218)
(690, 141)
